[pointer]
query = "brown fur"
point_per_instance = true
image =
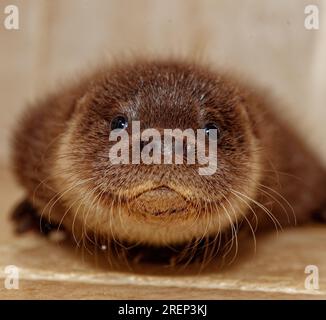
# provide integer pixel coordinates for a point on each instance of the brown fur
(61, 143)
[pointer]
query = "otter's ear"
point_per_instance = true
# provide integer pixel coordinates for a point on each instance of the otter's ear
(254, 109)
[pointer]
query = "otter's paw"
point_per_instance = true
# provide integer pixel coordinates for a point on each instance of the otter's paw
(320, 215)
(26, 218)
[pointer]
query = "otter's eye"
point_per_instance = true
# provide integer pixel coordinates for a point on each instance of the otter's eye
(119, 122)
(210, 131)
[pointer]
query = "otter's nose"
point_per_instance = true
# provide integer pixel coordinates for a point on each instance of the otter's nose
(173, 148)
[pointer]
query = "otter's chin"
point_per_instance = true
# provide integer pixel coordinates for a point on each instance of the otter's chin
(159, 217)
(161, 201)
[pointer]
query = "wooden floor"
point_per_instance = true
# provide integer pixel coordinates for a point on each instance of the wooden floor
(49, 270)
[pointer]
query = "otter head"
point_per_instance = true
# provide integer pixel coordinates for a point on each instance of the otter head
(158, 203)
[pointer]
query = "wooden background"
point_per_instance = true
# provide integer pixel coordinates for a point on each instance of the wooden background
(264, 40)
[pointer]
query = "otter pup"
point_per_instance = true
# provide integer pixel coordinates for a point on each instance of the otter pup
(265, 175)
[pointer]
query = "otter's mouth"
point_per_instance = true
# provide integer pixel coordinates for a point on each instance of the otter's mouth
(159, 201)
